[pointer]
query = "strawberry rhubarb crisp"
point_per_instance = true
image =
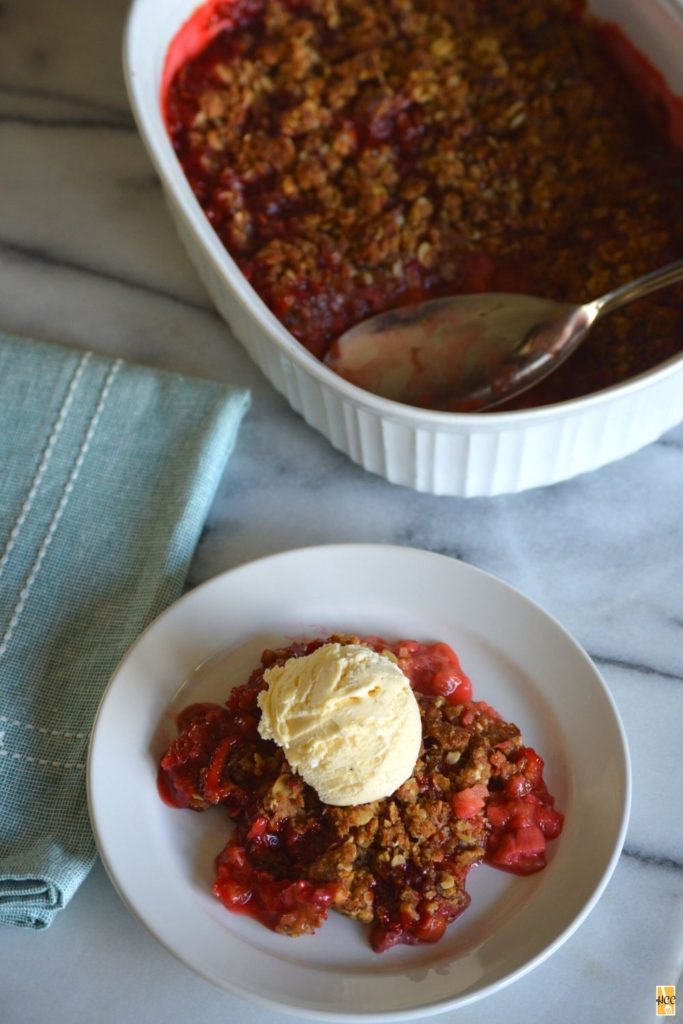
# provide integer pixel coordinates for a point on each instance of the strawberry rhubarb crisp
(354, 157)
(398, 864)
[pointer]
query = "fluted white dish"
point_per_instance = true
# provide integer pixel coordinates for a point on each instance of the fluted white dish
(439, 453)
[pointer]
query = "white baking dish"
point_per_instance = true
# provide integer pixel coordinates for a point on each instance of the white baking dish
(441, 453)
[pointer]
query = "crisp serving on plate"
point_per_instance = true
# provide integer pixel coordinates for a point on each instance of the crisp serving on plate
(362, 777)
(356, 157)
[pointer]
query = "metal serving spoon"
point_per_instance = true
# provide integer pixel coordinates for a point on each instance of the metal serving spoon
(472, 352)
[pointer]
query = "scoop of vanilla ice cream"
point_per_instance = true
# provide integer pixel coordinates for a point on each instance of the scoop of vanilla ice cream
(347, 720)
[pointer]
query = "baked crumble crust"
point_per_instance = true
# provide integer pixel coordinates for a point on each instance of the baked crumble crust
(354, 157)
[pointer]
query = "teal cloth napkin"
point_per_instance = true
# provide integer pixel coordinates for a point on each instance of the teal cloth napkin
(107, 471)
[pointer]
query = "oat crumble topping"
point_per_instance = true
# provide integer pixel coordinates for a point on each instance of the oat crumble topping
(398, 864)
(354, 157)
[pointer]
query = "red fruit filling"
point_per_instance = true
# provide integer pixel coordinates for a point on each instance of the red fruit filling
(400, 864)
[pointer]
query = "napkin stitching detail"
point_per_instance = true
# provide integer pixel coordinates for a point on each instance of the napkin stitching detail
(59, 512)
(42, 760)
(44, 462)
(41, 729)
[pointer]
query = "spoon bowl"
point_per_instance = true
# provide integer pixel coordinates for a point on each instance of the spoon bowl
(469, 353)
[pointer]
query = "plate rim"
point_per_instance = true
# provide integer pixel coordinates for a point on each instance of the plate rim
(440, 1004)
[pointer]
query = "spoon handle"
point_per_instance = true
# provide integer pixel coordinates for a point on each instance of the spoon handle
(651, 282)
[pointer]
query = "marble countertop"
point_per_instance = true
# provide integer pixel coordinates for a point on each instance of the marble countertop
(88, 256)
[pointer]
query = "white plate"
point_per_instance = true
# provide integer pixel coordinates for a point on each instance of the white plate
(520, 660)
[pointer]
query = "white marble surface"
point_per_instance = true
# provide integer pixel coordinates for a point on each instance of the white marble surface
(88, 256)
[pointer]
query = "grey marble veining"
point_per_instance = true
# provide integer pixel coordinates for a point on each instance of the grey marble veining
(88, 256)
